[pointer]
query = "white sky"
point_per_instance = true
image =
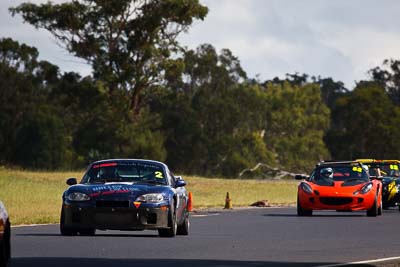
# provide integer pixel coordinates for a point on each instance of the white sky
(341, 39)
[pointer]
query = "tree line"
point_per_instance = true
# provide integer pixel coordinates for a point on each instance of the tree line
(197, 110)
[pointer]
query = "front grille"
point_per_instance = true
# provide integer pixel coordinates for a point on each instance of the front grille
(112, 204)
(114, 218)
(336, 200)
(76, 217)
(151, 218)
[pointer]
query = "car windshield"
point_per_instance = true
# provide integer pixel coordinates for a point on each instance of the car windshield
(341, 173)
(143, 172)
(391, 170)
(388, 169)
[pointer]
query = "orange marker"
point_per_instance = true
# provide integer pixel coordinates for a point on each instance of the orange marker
(190, 202)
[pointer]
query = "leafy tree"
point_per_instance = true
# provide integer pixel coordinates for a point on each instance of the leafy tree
(292, 78)
(388, 76)
(331, 90)
(40, 141)
(295, 125)
(100, 127)
(211, 118)
(24, 86)
(362, 119)
(130, 44)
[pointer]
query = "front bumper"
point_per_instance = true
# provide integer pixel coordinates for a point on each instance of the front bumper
(115, 218)
(334, 202)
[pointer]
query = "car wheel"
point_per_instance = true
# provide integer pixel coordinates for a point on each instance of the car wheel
(183, 229)
(380, 208)
(8, 241)
(373, 212)
(3, 254)
(301, 211)
(171, 231)
(5, 247)
(64, 230)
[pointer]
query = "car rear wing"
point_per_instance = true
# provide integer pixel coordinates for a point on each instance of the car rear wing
(387, 161)
(322, 163)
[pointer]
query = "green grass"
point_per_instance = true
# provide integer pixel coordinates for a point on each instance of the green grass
(210, 192)
(35, 197)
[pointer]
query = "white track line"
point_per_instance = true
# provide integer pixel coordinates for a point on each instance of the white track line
(204, 215)
(362, 262)
(30, 225)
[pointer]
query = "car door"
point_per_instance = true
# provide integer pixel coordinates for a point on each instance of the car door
(181, 198)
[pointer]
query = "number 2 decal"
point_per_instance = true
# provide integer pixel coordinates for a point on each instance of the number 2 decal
(159, 175)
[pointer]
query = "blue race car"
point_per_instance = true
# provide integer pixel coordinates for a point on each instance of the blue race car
(126, 194)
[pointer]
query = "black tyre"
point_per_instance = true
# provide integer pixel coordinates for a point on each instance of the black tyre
(380, 208)
(87, 231)
(3, 255)
(171, 231)
(7, 239)
(183, 229)
(301, 211)
(5, 246)
(373, 212)
(64, 230)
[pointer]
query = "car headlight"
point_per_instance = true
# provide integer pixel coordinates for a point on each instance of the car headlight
(366, 188)
(76, 196)
(306, 188)
(152, 198)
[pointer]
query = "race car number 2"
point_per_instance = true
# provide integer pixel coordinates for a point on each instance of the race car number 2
(159, 175)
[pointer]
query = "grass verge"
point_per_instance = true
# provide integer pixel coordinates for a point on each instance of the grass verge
(35, 197)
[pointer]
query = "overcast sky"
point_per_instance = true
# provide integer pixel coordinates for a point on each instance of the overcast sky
(341, 39)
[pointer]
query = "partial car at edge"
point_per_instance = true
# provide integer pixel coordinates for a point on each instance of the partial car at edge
(389, 173)
(5, 234)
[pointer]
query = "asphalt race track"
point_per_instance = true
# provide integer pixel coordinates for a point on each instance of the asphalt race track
(246, 237)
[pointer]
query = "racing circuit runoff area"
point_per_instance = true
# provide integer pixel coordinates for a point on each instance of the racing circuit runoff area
(240, 237)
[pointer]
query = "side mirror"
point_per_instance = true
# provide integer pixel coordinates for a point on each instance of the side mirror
(301, 176)
(71, 181)
(180, 183)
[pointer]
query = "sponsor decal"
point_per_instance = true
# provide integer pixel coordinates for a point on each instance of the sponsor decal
(392, 189)
(104, 165)
(394, 167)
(111, 189)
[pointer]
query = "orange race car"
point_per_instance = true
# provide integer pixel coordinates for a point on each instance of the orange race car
(341, 186)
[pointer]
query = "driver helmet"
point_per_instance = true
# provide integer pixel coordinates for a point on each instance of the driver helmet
(327, 173)
(366, 168)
